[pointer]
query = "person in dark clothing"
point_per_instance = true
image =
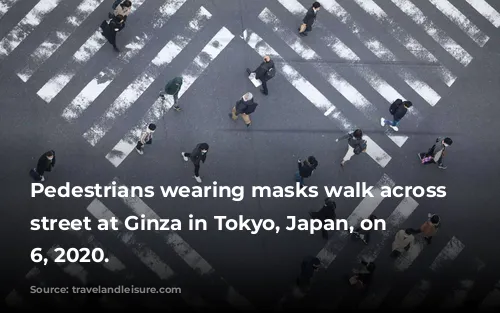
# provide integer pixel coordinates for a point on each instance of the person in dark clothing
(362, 234)
(435, 154)
(362, 276)
(398, 110)
(172, 88)
(326, 212)
(355, 145)
(309, 266)
(110, 29)
(146, 138)
(244, 107)
(45, 164)
(309, 19)
(199, 154)
(264, 72)
(306, 169)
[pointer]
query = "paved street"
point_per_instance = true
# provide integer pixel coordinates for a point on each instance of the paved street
(64, 88)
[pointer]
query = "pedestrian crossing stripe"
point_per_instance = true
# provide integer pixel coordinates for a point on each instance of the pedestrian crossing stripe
(142, 82)
(201, 62)
(486, 10)
(5, 6)
(492, 300)
(72, 269)
(312, 94)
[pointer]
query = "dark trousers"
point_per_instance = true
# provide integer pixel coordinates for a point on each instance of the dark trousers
(317, 215)
(140, 145)
(264, 87)
(196, 167)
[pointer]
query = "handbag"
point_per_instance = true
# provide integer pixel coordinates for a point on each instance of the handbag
(427, 159)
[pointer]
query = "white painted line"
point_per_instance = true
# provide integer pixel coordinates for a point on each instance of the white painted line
(141, 83)
(451, 12)
(123, 148)
(72, 269)
(377, 48)
(146, 255)
(54, 85)
(449, 253)
(405, 208)
(448, 44)
(57, 38)
(417, 295)
(24, 28)
(459, 295)
(329, 74)
(365, 208)
(492, 300)
(486, 10)
(403, 262)
(182, 248)
(375, 299)
(113, 264)
(102, 80)
(407, 40)
(312, 94)
(5, 6)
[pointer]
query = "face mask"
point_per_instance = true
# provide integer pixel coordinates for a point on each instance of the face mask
(446, 145)
(150, 131)
(203, 151)
(50, 158)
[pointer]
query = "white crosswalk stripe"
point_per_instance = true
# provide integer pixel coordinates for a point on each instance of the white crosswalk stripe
(5, 6)
(72, 269)
(486, 10)
(492, 300)
(28, 24)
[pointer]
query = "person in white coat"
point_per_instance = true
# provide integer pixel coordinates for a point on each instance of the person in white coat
(402, 242)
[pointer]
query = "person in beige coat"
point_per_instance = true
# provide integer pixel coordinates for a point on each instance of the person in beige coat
(123, 9)
(402, 242)
(430, 227)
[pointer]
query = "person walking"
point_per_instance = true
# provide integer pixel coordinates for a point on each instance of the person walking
(199, 154)
(362, 234)
(436, 153)
(146, 138)
(309, 19)
(308, 267)
(172, 88)
(402, 242)
(111, 27)
(398, 110)
(306, 169)
(430, 227)
(326, 212)
(45, 164)
(244, 107)
(121, 7)
(264, 72)
(363, 275)
(355, 145)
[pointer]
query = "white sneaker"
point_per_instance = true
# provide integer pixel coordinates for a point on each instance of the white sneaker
(198, 179)
(42, 179)
(184, 157)
(139, 151)
(394, 127)
(382, 121)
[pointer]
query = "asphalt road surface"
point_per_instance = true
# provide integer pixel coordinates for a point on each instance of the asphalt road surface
(64, 88)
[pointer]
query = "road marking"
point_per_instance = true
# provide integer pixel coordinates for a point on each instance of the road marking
(451, 12)
(5, 6)
(449, 253)
(183, 249)
(329, 74)
(72, 269)
(403, 262)
(417, 295)
(375, 299)
(459, 295)
(141, 83)
(24, 28)
(448, 44)
(126, 145)
(100, 82)
(405, 208)
(492, 300)
(57, 38)
(407, 40)
(486, 10)
(95, 42)
(312, 94)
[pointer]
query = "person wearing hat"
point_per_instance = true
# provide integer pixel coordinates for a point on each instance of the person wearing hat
(430, 227)
(198, 154)
(306, 169)
(326, 212)
(398, 110)
(146, 138)
(436, 153)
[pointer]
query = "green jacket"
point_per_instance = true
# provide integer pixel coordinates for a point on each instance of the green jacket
(173, 86)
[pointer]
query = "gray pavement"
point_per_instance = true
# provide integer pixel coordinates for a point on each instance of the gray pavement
(286, 126)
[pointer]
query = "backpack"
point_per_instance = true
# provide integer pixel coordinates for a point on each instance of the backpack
(271, 72)
(116, 3)
(395, 105)
(360, 148)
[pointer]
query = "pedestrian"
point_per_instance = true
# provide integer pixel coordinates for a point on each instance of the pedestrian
(309, 19)
(45, 164)
(308, 267)
(398, 110)
(306, 169)
(264, 72)
(172, 88)
(199, 154)
(111, 27)
(402, 242)
(244, 107)
(146, 138)
(364, 234)
(355, 145)
(430, 227)
(436, 153)
(121, 7)
(326, 212)
(362, 276)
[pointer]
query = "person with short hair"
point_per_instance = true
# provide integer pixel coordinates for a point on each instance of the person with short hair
(398, 110)
(430, 227)
(306, 169)
(198, 154)
(264, 72)
(309, 19)
(355, 145)
(326, 212)
(244, 107)
(435, 154)
(146, 138)
(45, 164)
(109, 29)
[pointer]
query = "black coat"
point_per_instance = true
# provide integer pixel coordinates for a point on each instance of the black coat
(399, 112)
(261, 71)
(44, 164)
(306, 169)
(327, 212)
(196, 156)
(247, 107)
(310, 17)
